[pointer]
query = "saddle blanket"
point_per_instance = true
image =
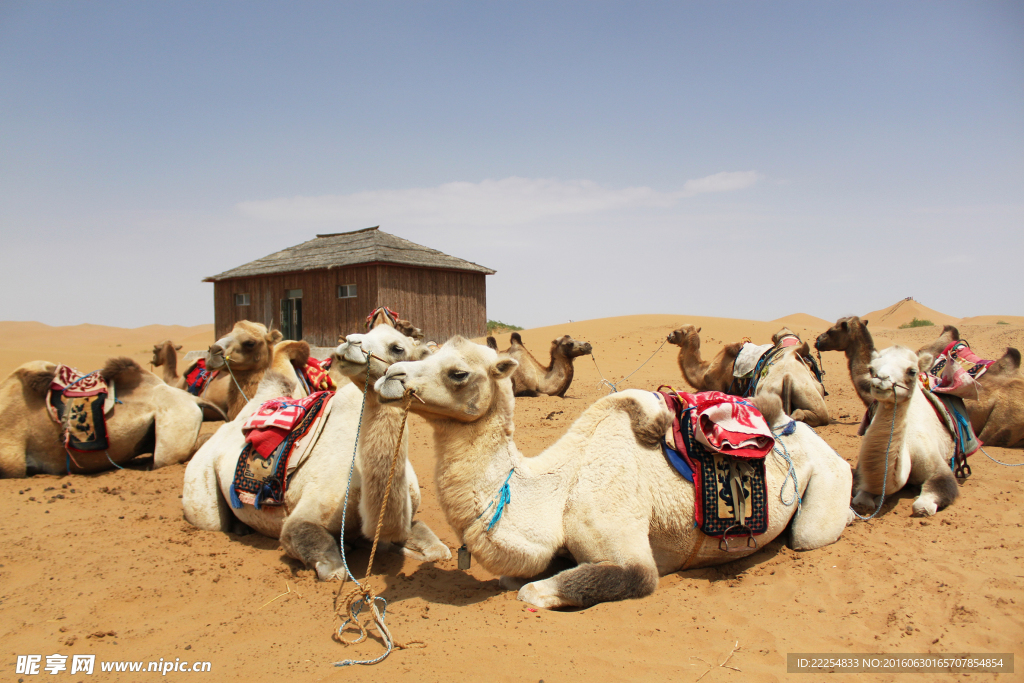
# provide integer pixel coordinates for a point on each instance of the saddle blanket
(747, 359)
(198, 378)
(79, 403)
(263, 469)
(721, 474)
(955, 371)
(315, 376)
(953, 414)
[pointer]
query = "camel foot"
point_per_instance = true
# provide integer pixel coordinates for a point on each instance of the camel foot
(925, 508)
(864, 502)
(422, 545)
(543, 594)
(512, 583)
(330, 571)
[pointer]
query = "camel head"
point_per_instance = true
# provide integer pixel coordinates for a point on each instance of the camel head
(839, 336)
(894, 373)
(386, 344)
(462, 381)
(162, 351)
(949, 335)
(782, 334)
(687, 335)
(246, 347)
(569, 347)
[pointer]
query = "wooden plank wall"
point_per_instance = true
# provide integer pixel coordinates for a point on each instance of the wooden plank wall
(441, 302)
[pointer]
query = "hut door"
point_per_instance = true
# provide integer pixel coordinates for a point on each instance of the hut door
(291, 314)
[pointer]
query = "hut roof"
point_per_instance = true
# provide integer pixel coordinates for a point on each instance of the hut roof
(336, 250)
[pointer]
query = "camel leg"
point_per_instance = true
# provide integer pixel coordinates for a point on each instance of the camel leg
(422, 544)
(201, 498)
(938, 491)
(825, 510)
(315, 546)
(176, 434)
(589, 584)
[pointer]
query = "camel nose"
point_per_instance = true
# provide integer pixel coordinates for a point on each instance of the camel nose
(216, 350)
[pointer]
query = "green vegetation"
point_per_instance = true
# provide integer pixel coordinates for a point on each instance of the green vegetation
(917, 323)
(1002, 322)
(498, 326)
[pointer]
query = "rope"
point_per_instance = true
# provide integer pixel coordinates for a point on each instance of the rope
(362, 594)
(885, 476)
(111, 461)
(614, 386)
(504, 497)
(792, 470)
(227, 362)
(999, 462)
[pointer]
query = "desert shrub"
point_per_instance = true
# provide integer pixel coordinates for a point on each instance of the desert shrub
(1002, 322)
(917, 323)
(498, 326)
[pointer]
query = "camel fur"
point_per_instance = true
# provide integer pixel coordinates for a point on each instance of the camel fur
(713, 375)
(246, 353)
(380, 317)
(791, 379)
(603, 493)
(533, 379)
(906, 442)
(997, 415)
(851, 336)
(165, 356)
(151, 417)
(310, 522)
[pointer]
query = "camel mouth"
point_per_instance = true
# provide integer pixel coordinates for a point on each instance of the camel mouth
(389, 389)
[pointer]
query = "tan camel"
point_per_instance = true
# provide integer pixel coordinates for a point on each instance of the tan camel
(150, 417)
(165, 356)
(385, 316)
(533, 379)
(997, 415)
(310, 522)
(714, 375)
(790, 377)
(244, 354)
(851, 336)
(604, 493)
(906, 442)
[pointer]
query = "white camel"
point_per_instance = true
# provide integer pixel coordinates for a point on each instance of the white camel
(310, 522)
(906, 442)
(604, 492)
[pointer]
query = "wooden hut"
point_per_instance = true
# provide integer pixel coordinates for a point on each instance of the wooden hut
(327, 286)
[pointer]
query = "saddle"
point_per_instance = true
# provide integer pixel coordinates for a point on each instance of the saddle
(719, 443)
(79, 403)
(197, 378)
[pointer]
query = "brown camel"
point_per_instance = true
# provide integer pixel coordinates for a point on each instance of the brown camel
(714, 375)
(533, 379)
(149, 417)
(997, 415)
(851, 336)
(385, 316)
(244, 354)
(165, 356)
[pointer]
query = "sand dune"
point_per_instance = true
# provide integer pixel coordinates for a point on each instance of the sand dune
(903, 312)
(804, 320)
(992, 320)
(114, 555)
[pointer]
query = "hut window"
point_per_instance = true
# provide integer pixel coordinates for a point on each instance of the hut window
(241, 299)
(346, 291)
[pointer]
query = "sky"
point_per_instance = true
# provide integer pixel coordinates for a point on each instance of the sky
(734, 159)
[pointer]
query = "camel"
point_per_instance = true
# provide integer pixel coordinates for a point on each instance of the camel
(906, 441)
(851, 335)
(150, 417)
(165, 356)
(604, 492)
(790, 378)
(714, 375)
(997, 415)
(309, 524)
(385, 316)
(533, 379)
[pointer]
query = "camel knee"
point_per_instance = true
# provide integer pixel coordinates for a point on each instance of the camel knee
(590, 584)
(810, 418)
(316, 547)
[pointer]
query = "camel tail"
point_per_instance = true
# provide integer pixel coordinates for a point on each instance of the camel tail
(36, 381)
(492, 343)
(770, 406)
(119, 367)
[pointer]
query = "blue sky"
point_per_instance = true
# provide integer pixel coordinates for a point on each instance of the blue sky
(740, 159)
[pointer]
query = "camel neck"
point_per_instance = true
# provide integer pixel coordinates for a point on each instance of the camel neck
(381, 433)
(249, 382)
(559, 374)
(692, 365)
(882, 445)
(170, 367)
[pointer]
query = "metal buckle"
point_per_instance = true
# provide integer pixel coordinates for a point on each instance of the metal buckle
(723, 543)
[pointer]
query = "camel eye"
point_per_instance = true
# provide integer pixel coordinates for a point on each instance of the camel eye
(397, 350)
(249, 344)
(458, 375)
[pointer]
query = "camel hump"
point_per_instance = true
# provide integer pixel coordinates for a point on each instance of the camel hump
(1008, 364)
(954, 334)
(37, 379)
(648, 428)
(517, 339)
(118, 367)
(492, 343)
(770, 406)
(296, 351)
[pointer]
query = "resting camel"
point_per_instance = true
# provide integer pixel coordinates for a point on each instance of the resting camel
(533, 379)
(310, 522)
(604, 492)
(791, 379)
(997, 415)
(851, 335)
(714, 375)
(921, 446)
(165, 355)
(150, 417)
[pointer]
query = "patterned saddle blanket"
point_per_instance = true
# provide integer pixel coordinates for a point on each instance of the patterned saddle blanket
(719, 443)
(955, 371)
(80, 403)
(198, 378)
(279, 437)
(315, 377)
(953, 414)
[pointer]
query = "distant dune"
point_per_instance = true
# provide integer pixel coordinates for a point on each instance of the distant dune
(804, 320)
(902, 312)
(993, 320)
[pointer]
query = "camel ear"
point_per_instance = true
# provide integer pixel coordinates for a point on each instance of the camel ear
(865, 322)
(178, 347)
(845, 325)
(698, 330)
(504, 368)
(274, 336)
(805, 350)
(925, 361)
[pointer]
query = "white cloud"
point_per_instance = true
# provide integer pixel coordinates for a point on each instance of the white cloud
(510, 201)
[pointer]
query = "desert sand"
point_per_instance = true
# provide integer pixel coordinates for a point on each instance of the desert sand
(110, 554)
